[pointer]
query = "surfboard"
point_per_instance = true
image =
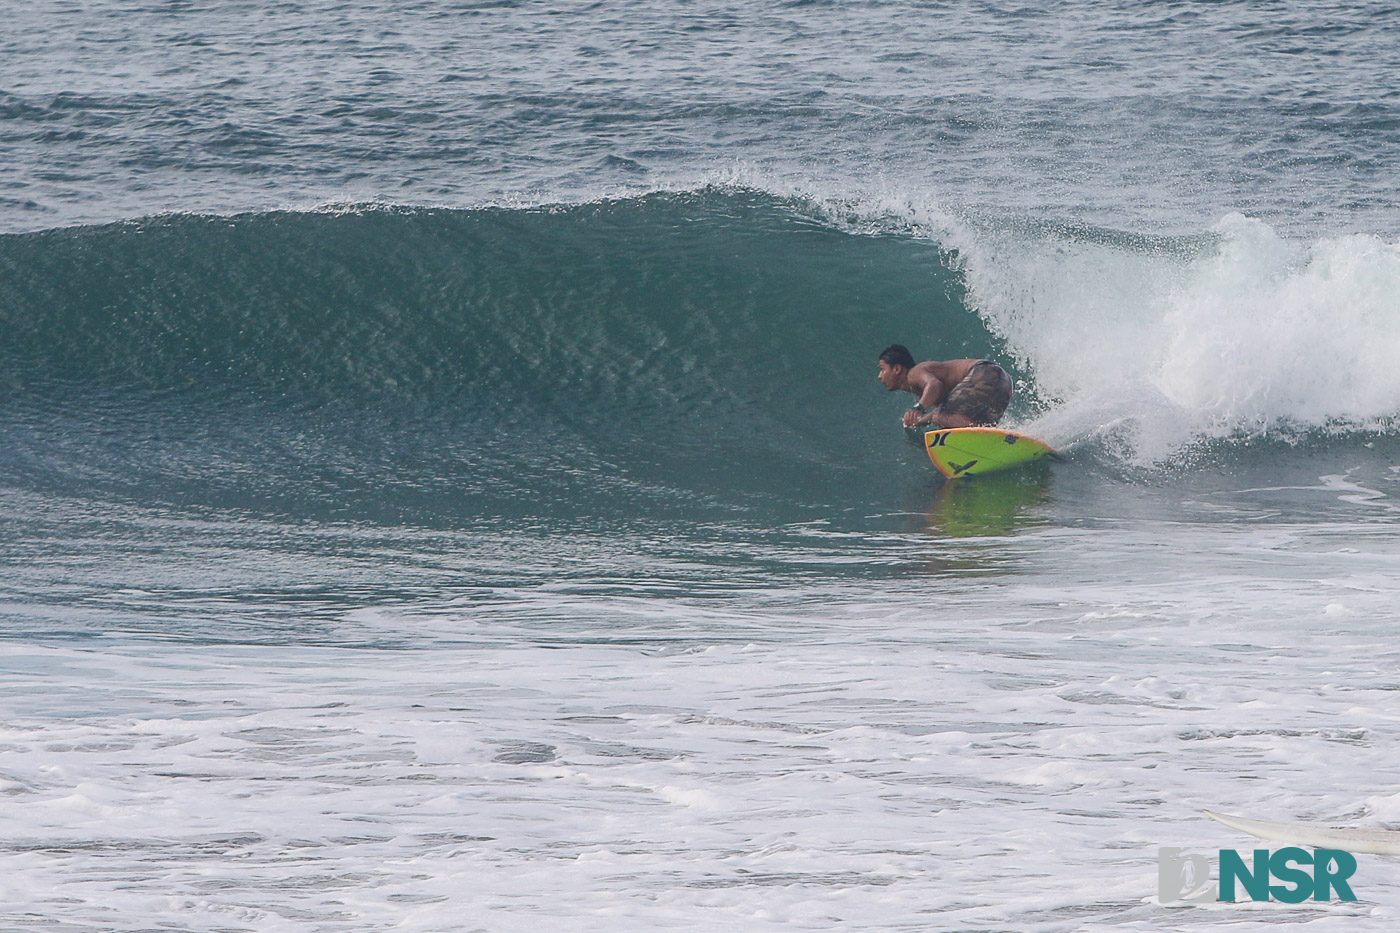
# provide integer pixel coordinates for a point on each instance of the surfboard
(973, 451)
(1371, 841)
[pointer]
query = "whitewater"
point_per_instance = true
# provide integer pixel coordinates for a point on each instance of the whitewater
(444, 484)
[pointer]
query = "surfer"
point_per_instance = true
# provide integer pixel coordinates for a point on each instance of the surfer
(951, 393)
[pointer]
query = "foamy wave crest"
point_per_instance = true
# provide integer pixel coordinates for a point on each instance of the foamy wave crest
(1304, 335)
(1241, 333)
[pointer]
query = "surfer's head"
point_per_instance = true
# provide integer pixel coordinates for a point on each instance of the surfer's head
(895, 363)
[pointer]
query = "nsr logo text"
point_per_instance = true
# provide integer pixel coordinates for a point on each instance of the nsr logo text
(1186, 878)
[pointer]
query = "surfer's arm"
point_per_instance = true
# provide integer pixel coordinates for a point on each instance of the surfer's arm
(924, 411)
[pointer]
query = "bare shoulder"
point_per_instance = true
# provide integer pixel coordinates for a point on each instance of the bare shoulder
(924, 373)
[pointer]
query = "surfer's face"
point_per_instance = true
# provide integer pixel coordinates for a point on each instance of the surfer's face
(890, 375)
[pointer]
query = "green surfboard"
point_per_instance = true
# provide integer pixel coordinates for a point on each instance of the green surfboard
(973, 451)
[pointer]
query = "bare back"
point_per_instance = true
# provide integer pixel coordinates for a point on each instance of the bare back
(948, 373)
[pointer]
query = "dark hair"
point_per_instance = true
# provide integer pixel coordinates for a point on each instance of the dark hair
(896, 354)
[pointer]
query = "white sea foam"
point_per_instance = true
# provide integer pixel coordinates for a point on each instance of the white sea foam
(1247, 333)
(947, 752)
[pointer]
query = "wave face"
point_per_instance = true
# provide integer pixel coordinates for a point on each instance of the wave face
(716, 343)
(683, 355)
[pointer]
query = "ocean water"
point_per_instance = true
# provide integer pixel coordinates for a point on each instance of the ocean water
(444, 486)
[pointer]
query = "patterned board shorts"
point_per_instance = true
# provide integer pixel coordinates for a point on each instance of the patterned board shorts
(982, 396)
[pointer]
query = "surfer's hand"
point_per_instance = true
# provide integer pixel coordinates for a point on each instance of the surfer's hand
(913, 418)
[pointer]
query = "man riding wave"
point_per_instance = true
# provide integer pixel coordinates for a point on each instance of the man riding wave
(951, 393)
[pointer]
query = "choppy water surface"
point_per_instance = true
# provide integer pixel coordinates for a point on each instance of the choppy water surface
(443, 484)
(1167, 115)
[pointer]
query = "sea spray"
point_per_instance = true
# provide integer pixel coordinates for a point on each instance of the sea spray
(1236, 334)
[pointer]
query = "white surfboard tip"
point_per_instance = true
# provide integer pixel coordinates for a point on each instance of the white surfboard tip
(1314, 835)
